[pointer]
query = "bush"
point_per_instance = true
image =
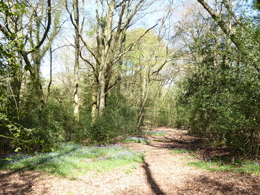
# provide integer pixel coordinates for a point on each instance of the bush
(22, 139)
(118, 119)
(220, 97)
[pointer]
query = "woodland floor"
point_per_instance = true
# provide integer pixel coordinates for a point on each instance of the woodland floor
(163, 172)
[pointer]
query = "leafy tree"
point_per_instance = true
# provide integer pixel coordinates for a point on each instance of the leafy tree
(112, 19)
(257, 4)
(144, 67)
(220, 96)
(24, 28)
(32, 40)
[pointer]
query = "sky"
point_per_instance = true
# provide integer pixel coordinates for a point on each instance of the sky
(63, 57)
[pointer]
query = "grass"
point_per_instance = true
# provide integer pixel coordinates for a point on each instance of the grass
(155, 133)
(72, 160)
(222, 163)
(140, 140)
(245, 167)
(181, 151)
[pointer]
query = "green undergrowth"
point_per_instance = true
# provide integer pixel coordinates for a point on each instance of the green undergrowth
(248, 167)
(155, 133)
(140, 140)
(221, 163)
(181, 151)
(72, 160)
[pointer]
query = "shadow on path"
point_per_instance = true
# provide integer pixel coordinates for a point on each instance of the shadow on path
(154, 186)
(198, 146)
(223, 183)
(21, 180)
(17, 182)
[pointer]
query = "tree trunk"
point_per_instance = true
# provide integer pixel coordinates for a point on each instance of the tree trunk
(144, 93)
(94, 98)
(102, 94)
(76, 65)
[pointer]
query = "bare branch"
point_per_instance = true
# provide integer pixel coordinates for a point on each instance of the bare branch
(46, 31)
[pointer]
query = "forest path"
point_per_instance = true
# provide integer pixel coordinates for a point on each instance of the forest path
(162, 172)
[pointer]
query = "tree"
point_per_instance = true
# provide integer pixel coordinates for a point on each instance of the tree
(145, 65)
(232, 31)
(75, 20)
(219, 98)
(112, 19)
(13, 47)
(257, 4)
(32, 27)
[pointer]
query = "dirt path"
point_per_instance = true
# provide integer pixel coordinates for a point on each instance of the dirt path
(161, 173)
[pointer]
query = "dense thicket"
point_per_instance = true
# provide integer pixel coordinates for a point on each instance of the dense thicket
(220, 97)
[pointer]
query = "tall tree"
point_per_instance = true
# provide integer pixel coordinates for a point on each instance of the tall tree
(219, 97)
(75, 20)
(32, 27)
(231, 30)
(145, 65)
(112, 19)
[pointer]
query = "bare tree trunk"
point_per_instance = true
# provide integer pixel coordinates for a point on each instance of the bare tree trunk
(94, 99)
(144, 94)
(102, 93)
(50, 81)
(76, 64)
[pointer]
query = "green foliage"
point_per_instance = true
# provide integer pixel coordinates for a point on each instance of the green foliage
(220, 98)
(182, 115)
(163, 117)
(118, 119)
(155, 133)
(8, 61)
(256, 4)
(14, 136)
(21, 138)
(56, 120)
(222, 163)
(160, 106)
(140, 140)
(72, 160)
(39, 128)
(18, 9)
(248, 167)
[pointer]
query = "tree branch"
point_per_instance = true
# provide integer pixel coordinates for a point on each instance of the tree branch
(132, 45)
(46, 31)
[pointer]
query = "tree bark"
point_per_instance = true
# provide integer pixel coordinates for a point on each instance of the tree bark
(94, 99)
(76, 63)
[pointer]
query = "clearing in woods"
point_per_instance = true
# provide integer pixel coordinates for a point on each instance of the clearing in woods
(162, 172)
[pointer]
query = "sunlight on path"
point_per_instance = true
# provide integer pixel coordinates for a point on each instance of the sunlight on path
(162, 172)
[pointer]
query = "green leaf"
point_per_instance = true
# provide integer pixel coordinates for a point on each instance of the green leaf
(18, 149)
(26, 67)
(17, 6)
